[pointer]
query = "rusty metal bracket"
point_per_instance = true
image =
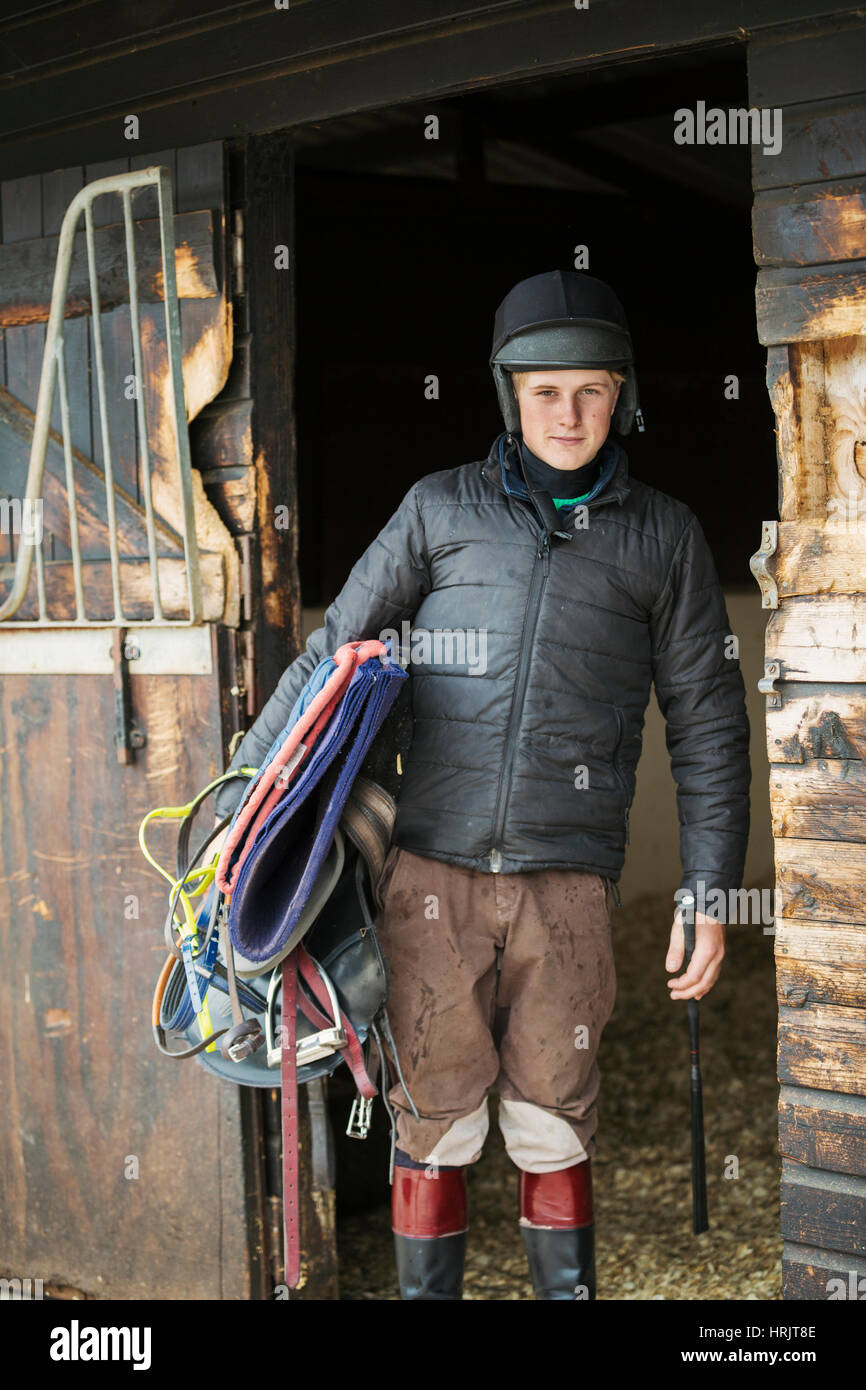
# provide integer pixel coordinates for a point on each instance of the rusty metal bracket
(772, 673)
(758, 565)
(126, 736)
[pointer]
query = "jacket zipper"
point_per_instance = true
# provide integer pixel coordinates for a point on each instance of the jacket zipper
(533, 608)
(539, 579)
(619, 776)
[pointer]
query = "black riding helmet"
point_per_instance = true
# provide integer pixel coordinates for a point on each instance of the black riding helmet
(563, 319)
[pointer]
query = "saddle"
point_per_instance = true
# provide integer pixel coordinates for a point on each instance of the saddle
(282, 965)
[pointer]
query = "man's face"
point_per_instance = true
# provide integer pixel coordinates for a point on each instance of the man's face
(565, 414)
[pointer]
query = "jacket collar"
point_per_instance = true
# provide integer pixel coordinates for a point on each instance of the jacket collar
(502, 470)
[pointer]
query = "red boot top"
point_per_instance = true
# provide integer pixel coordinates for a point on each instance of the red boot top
(429, 1206)
(561, 1200)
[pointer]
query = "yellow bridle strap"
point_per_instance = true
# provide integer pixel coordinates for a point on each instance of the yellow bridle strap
(202, 876)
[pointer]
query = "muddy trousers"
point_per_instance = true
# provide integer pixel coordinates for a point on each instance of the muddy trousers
(505, 982)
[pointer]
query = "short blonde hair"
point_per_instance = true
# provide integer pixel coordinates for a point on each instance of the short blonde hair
(518, 378)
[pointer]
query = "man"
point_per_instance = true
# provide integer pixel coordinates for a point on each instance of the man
(512, 821)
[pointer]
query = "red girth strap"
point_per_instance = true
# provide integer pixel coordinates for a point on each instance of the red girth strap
(426, 1206)
(561, 1200)
(289, 1079)
(353, 1053)
(296, 960)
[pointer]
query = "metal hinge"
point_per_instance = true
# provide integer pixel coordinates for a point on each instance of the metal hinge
(246, 558)
(772, 673)
(126, 736)
(238, 266)
(758, 565)
(244, 689)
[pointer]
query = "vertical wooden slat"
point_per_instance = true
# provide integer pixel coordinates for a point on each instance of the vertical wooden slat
(270, 304)
(22, 218)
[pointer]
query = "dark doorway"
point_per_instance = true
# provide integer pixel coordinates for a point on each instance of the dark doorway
(404, 247)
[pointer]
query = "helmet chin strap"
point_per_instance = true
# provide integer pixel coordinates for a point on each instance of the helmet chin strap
(542, 501)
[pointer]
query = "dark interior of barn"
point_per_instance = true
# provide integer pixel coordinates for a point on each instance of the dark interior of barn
(404, 247)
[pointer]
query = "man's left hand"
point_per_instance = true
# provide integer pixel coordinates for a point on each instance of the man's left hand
(706, 961)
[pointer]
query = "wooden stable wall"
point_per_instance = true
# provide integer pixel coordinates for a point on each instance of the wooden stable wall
(810, 245)
(76, 973)
(69, 85)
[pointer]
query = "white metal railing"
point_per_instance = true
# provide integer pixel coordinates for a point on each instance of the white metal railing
(54, 373)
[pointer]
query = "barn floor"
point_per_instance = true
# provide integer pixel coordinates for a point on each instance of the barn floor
(641, 1169)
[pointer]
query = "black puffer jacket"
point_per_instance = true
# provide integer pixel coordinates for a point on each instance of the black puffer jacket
(530, 762)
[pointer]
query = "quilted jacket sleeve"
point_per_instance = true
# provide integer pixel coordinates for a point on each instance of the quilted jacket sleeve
(386, 585)
(702, 696)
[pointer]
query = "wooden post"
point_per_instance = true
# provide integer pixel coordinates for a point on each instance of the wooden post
(810, 242)
(266, 334)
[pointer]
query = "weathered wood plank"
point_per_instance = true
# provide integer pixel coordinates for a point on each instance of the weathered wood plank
(817, 390)
(27, 269)
(16, 433)
(234, 493)
(823, 1046)
(812, 224)
(800, 481)
(822, 722)
(822, 799)
(826, 138)
(223, 433)
(136, 590)
(813, 1274)
(272, 324)
(798, 938)
(821, 638)
(815, 982)
(808, 66)
(819, 559)
(200, 182)
(823, 1209)
(823, 1129)
(20, 218)
(821, 880)
(820, 301)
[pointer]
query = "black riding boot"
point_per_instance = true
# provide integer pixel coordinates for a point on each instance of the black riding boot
(429, 1221)
(556, 1222)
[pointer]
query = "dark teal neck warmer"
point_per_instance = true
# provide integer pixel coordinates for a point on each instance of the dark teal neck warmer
(565, 485)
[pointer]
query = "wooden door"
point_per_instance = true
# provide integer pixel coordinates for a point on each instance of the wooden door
(123, 1175)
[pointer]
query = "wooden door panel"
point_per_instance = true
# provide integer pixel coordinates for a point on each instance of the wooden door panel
(89, 1100)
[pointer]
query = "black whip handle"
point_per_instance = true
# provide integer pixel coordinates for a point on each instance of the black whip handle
(700, 1220)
